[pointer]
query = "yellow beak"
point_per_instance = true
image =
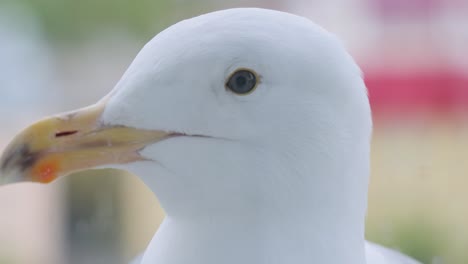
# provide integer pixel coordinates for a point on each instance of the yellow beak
(71, 142)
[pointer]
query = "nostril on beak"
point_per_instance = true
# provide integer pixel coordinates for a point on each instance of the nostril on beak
(65, 133)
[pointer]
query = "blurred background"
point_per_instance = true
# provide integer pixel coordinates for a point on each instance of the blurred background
(58, 55)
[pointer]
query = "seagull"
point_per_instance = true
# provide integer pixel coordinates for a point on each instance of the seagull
(251, 126)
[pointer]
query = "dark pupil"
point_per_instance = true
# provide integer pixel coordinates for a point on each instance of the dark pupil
(242, 82)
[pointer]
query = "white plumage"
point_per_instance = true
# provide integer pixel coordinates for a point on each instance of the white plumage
(283, 176)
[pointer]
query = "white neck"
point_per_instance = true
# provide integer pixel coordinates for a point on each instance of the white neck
(253, 240)
(310, 226)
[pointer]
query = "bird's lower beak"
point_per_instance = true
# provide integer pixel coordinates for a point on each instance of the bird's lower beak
(71, 142)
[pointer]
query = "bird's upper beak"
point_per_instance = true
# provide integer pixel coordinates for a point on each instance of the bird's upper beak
(71, 142)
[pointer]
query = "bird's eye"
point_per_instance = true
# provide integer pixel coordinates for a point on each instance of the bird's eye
(242, 82)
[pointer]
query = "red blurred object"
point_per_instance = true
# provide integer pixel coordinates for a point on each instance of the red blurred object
(432, 91)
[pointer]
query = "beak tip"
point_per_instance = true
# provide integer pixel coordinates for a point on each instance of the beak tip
(10, 169)
(7, 178)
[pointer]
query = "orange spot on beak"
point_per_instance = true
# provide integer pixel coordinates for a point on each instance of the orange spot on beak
(46, 171)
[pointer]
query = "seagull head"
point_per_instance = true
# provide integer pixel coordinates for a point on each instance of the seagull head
(239, 110)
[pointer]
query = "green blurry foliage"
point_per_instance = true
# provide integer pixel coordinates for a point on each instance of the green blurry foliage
(71, 20)
(418, 239)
